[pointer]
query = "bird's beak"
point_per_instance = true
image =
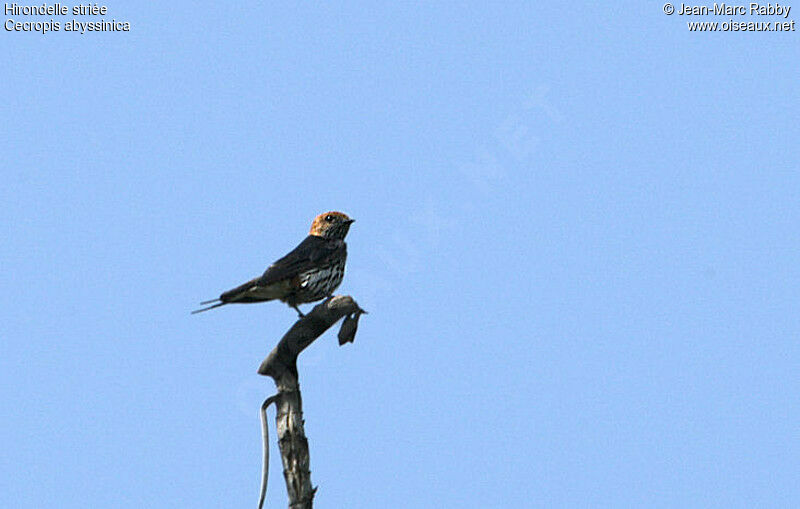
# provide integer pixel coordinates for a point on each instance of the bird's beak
(350, 221)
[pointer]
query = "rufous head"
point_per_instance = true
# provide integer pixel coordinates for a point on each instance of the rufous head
(331, 225)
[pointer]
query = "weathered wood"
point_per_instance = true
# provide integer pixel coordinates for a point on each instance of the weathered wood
(293, 443)
(281, 365)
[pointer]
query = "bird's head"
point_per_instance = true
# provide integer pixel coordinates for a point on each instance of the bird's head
(331, 225)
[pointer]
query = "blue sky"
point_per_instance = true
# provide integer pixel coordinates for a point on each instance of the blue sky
(577, 238)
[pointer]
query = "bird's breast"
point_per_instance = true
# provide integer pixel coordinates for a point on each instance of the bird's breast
(320, 282)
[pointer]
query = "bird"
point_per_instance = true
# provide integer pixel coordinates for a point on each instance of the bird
(310, 272)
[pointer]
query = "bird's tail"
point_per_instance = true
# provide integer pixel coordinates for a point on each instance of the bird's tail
(218, 304)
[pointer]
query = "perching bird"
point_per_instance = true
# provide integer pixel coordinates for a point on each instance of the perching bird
(310, 272)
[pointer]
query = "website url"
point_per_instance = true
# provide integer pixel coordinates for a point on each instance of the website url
(741, 26)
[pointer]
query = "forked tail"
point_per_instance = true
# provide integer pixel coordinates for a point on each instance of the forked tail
(218, 304)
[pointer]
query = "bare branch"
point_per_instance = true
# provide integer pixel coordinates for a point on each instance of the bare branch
(281, 365)
(265, 438)
(304, 332)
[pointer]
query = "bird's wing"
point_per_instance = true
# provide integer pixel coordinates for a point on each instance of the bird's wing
(239, 294)
(312, 252)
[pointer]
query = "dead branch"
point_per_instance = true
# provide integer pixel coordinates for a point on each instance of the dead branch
(281, 365)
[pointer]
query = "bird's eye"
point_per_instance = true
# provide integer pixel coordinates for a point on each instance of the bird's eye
(329, 218)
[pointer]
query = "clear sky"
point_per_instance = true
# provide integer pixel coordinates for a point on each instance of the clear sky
(577, 239)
